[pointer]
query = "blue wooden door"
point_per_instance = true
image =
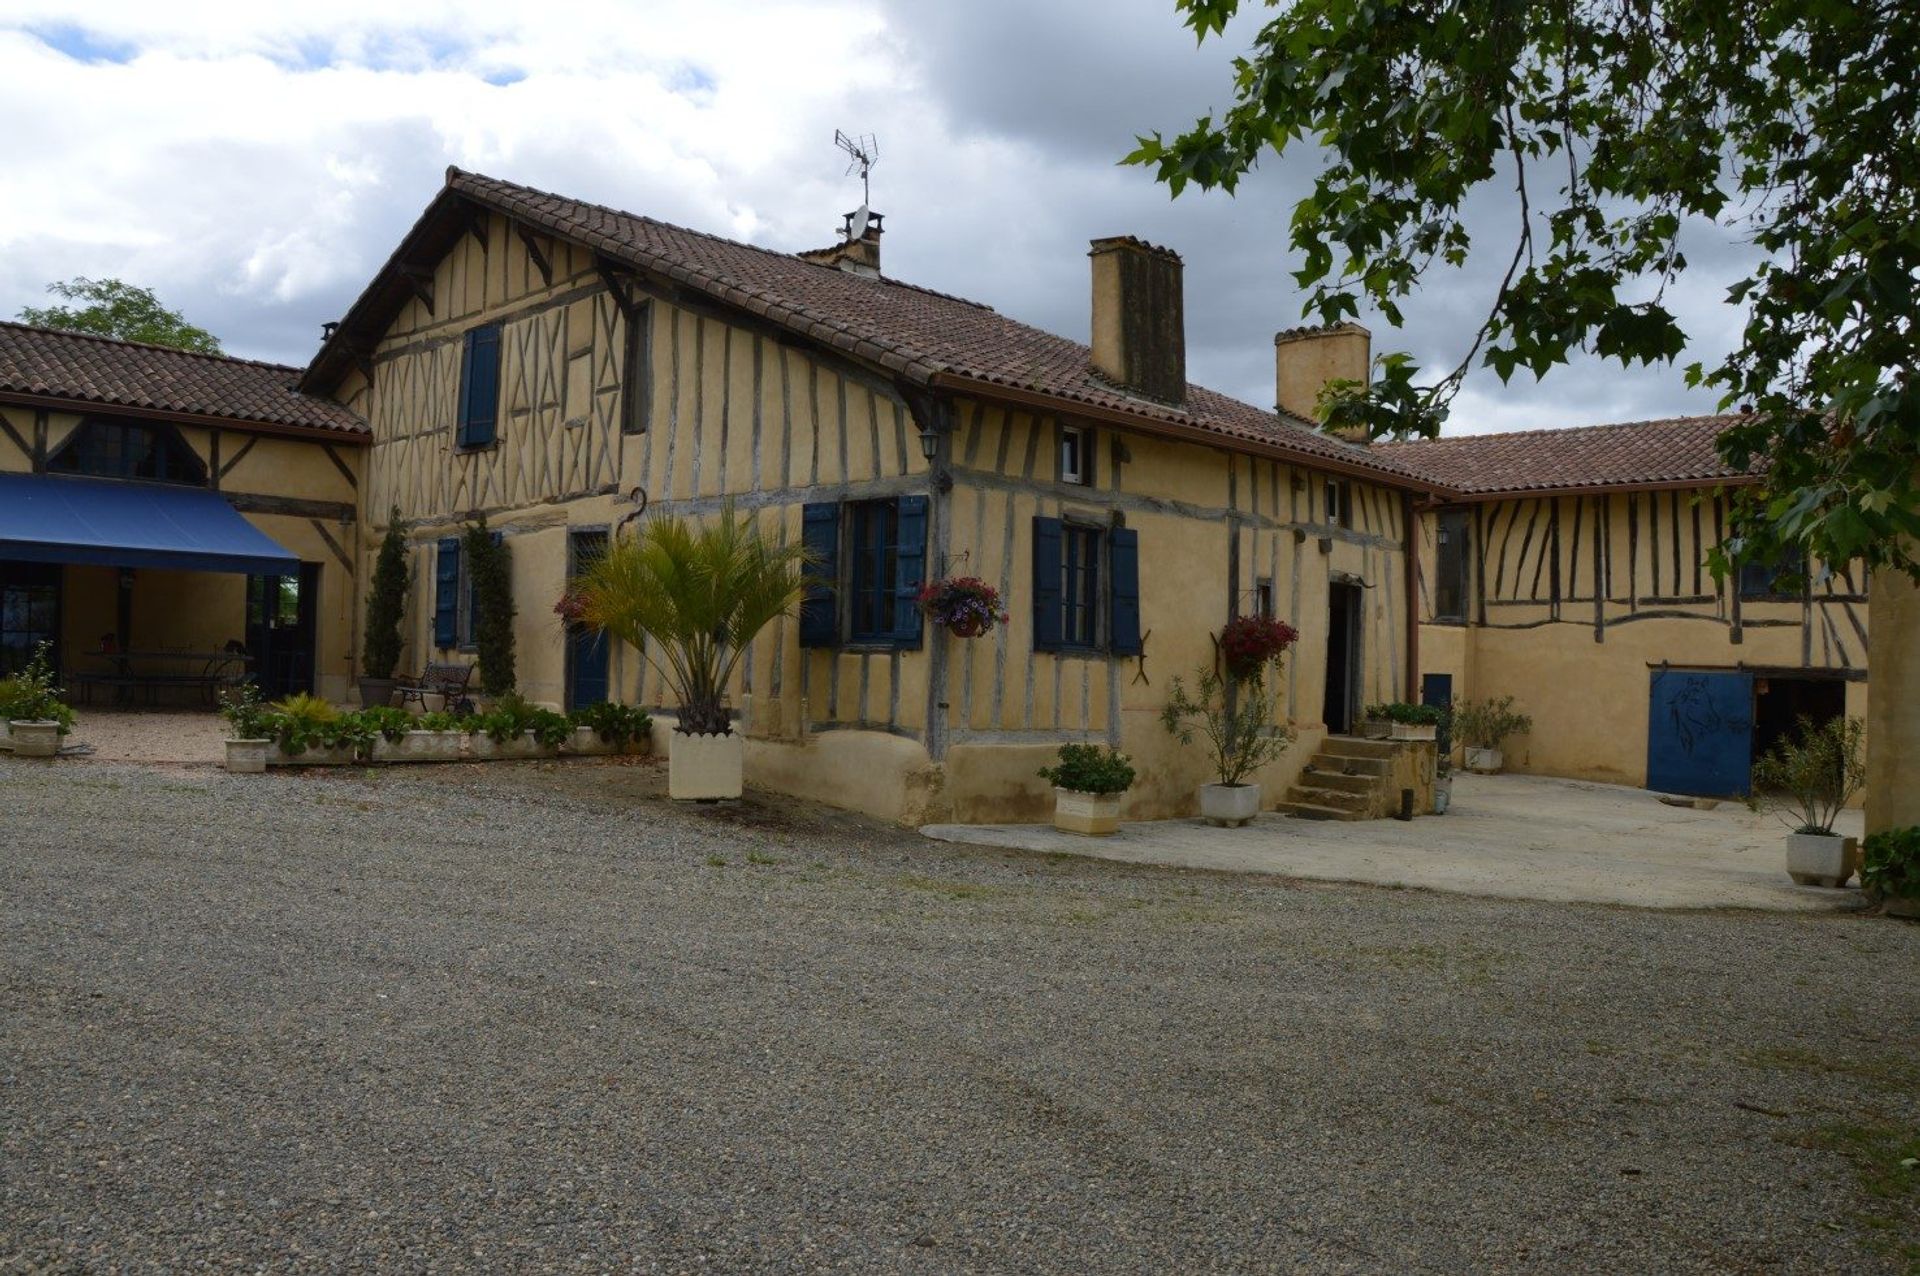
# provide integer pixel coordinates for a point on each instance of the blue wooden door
(587, 682)
(1700, 733)
(1436, 689)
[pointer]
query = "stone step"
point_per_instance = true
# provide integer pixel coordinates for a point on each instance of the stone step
(1341, 764)
(1347, 782)
(1353, 746)
(1307, 791)
(1310, 811)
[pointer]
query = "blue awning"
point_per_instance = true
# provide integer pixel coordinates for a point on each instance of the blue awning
(111, 524)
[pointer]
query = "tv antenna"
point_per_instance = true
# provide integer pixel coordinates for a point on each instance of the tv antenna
(863, 152)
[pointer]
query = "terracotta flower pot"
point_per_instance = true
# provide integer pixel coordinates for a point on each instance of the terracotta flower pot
(967, 627)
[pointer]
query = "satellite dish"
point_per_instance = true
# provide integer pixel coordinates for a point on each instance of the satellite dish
(857, 227)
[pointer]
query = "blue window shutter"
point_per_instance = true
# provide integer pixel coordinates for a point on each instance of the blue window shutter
(1123, 626)
(446, 593)
(479, 386)
(1047, 603)
(819, 610)
(910, 570)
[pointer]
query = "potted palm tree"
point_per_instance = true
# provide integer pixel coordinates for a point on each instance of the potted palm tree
(1483, 726)
(1237, 724)
(386, 607)
(691, 597)
(1808, 779)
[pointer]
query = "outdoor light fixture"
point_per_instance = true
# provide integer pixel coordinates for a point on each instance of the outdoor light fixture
(929, 443)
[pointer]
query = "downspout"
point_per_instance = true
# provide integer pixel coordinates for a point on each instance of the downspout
(1412, 576)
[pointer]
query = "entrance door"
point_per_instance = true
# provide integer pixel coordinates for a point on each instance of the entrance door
(1700, 733)
(281, 622)
(587, 681)
(1436, 689)
(29, 613)
(1343, 657)
(1780, 703)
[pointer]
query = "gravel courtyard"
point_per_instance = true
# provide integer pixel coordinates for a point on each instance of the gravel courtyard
(532, 1018)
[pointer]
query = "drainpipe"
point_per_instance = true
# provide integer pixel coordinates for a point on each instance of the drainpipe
(1413, 596)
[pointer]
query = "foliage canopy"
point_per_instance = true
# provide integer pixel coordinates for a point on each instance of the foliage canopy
(1618, 127)
(113, 308)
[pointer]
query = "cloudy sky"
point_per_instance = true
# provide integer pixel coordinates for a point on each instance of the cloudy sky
(254, 161)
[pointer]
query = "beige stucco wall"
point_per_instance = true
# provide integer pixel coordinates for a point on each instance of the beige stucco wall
(1581, 668)
(1893, 716)
(204, 610)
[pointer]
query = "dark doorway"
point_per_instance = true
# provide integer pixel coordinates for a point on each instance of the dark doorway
(1779, 704)
(1436, 689)
(1343, 656)
(587, 681)
(281, 613)
(29, 613)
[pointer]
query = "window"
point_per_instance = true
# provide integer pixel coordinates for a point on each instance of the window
(1450, 566)
(29, 613)
(868, 561)
(1076, 456)
(128, 450)
(1777, 579)
(479, 388)
(873, 553)
(637, 406)
(1339, 503)
(1086, 587)
(447, 593)
(1263, 597)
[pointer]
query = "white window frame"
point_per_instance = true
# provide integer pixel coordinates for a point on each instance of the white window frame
(1074, 441)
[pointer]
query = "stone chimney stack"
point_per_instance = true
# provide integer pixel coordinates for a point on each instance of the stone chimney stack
(1139, 318)
(856, 255)
(1305, 359)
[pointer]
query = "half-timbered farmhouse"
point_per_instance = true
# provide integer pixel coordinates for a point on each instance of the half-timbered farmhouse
(551, 365)
(1569, 571)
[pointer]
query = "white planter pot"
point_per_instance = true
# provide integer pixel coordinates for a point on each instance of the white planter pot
(1821, 859)
(1229, 805)
(345, 755)
(247, 757)
(705, 768)
(1442, 796)
(1485, 761)
(586, 742)
(34, 739)
(482, 747)
(1092, 814)
(420, 746)
(1415, 731)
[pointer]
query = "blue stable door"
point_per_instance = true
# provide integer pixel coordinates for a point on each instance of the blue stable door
(1700, 733)
(587, 681)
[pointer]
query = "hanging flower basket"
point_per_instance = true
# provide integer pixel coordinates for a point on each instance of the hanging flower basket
(1251, 643)
(966, 605)
(572, 606)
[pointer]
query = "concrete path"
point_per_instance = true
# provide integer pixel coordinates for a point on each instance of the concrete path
(1519, 837)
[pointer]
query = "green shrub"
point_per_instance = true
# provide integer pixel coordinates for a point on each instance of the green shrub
(438, 720)
(1890, 864)
(386, 602)
(1483, 724)
(511, 715)
(30, 696)
(1809, 777)
(1238, 728)
(1407, 714)
(246, 716)
(617, 724)
(303, 722)
(387, 722)
(1089, 768)
(490, 564)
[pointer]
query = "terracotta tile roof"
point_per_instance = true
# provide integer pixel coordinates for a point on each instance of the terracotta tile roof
(922, 336)
(130, 374)
(1632, 454)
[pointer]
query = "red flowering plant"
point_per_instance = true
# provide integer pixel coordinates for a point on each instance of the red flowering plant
(1250, 643)
(966, 605)
(572, 606)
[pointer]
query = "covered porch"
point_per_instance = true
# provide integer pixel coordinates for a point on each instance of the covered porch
(149, 594)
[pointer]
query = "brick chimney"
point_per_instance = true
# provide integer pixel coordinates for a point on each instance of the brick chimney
(856, 256)
(1305, 359)
(1139, 319)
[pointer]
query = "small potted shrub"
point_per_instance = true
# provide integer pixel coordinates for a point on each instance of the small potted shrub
(308, 731)
(1890, 871)
(966, 605)
(1482, 726)
(31, 706)
(609, 727)
(386, 607)
(1412, 721)
(248, 734)
(1808, 779)
(1087, 783)
(1237, 723)
(1374, 722)
(398, 736)
(514, 729)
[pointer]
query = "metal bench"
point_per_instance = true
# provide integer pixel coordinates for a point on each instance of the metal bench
(448, 681)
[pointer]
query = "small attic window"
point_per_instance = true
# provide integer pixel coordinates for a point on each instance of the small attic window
(102, 448)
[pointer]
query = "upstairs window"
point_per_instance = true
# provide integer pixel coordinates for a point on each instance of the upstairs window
(1076, 456)
(1778, 578)
(637, 404)
(1339, 503)
(1450, 566)
(128, 450)
(479, 388)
